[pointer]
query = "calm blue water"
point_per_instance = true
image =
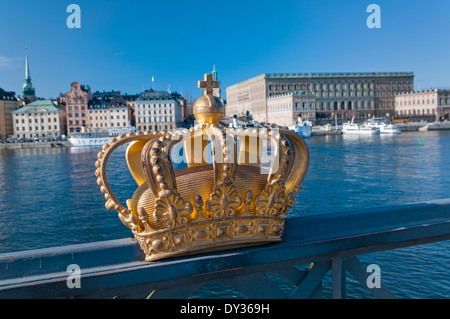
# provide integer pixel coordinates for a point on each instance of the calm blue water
(49, 197)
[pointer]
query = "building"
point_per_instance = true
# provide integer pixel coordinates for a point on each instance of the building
(28, 91)
(77, 101)
(130, 98)
(39, 119)
(158, 110)
(341, 94)
(109, 111)
(434, 103)
(98, 115)
(285, 109)
(8, 104)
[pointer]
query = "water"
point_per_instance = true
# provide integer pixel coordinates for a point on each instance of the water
(49, 197)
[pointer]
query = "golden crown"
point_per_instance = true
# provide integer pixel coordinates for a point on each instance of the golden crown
(234, 199)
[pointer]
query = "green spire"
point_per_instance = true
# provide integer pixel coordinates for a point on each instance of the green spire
(28, 89)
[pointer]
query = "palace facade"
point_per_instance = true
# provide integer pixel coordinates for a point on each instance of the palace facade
(435, 103)
(336, 94)
(285, 109)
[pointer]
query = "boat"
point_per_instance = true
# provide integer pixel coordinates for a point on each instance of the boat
(97, 138)
(385, 128)
(364, 129)
(89, 138)
(302, 128)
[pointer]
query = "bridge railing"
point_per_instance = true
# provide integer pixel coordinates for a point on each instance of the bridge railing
(312, 247)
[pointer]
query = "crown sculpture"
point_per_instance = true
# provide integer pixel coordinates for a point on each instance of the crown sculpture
(238, 199)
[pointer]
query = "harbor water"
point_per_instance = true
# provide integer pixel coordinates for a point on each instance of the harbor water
(49, 197)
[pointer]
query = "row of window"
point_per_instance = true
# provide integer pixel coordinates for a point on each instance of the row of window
(77, 122)
(35, 114)
(339, 86)
(414, 102)
(416, 112)
(36, 120)
(124, 124)
(347, 94)
(77, 114)
(154, 112)
(155, 105)
(106, 117)
(154, 119)
(143, 128)
(76, 108)
(36, 128)
(76, 100)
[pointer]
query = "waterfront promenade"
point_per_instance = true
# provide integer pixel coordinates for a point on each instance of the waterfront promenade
(14, 146)
(406, 127)
(316, 131)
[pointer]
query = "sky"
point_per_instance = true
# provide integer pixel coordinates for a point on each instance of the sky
(122, 44)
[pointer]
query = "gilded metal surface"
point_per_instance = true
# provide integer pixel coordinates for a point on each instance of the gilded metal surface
(208, 108)
(207, 207)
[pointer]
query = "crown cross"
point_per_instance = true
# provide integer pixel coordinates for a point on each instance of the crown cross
(208, 84)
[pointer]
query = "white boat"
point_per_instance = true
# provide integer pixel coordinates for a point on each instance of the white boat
(302, 128)
(385, 128)
(97, 138)
(89, 138)
(352, 128)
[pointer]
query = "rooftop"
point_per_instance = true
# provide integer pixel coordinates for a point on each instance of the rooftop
(348, 75)
(337, 75)
(430, 90)
(46, 105)
(155, 95)
(7, 95)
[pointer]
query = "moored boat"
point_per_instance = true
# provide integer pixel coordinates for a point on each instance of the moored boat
(302, 128)
(385, 128)
(352, 128)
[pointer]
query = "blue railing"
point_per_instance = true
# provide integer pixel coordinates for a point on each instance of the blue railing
(328, 243)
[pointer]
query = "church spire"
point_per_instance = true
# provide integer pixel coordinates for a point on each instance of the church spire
(27, 67)
(28, 89)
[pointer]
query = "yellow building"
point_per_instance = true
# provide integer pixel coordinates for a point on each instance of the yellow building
(8, 103)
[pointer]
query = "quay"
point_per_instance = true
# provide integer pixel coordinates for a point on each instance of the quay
(406, 127)
(328, 243)
(15, 146)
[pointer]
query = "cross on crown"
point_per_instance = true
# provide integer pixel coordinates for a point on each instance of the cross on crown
(208, 84)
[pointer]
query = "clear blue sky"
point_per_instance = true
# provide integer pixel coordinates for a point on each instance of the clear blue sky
(122, 44)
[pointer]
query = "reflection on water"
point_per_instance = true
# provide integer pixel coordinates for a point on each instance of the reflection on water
(49, 197)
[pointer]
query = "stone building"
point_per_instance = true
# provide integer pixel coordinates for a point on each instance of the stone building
(158, 110)
(341, 94)
(108, 111)
(38, 119)
(8, 104)
(77, 101)
(285, 109)
(434, 103)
